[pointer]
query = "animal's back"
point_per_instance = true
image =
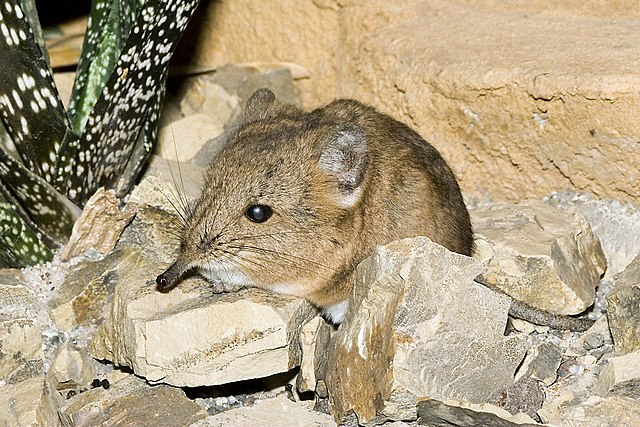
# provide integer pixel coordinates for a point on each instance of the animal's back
(410, 190)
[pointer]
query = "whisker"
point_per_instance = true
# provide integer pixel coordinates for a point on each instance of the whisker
(260, 236)
(173, 205)
(288, 257)
(179, 196)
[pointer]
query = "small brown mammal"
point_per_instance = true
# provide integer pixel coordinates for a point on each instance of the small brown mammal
(297, 199)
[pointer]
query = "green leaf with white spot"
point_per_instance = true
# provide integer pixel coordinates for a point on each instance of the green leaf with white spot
(101, 47)
(20, 244)
(29, 9)
(41, 202)
(30, 107)
(126, 103)
(144, 144)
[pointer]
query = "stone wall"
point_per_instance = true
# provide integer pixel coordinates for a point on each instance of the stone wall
(522, 98)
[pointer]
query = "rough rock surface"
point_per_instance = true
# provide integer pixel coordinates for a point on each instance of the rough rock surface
(222, 94)
(72, 368)
(19, 403)
(192, 337)
(523, 98)
(182, 138)
(620, 376)
(597, 412)
(129, 401)
(306, 380)
(447, 340)
(464, 414)
(541, 363)
(623, 309)
(21, 355)
(539, 255)
(168, 184)
(617, 225)
(99, 226)
(85, 295)
(524, 396)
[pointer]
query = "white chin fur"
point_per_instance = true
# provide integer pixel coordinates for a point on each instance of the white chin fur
(335, 313)
(225, 274)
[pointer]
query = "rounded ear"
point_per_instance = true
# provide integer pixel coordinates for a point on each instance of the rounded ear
(259, 104)
(345, 157)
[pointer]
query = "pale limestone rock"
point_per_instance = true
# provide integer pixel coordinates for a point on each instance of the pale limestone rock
(84, 296)
(623, 309)
(617, 226)
(191, 337)
(539, 255)
(181, 139)
(615, 411)
(64, 83)
(19, 404)
(99, 226)
(464, 414)
(306, 380)
(130, 401)
(569, 393)
(203, 96)
(541, 363)
(620, 376)
(276, 412)
(21, 355)
(156, 233)
(222, 94)
(71, 368)
(418, 326)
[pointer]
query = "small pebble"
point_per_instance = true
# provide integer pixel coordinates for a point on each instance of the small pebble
(593, 341)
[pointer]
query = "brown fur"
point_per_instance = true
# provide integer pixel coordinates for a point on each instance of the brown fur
(399, 186)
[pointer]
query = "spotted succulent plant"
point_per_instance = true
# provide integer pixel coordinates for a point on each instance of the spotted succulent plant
(52, 160)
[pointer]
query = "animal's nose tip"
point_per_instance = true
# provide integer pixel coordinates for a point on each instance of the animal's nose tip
(162, 281)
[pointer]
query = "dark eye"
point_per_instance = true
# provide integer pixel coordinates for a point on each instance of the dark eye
(258, 213)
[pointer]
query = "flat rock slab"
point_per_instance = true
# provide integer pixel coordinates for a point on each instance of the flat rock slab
(620, 376)
(21, 355)
(616, 224)
(85, 295)
(192, 337)
(418, 326)
(130, 402)
(539, 255)
(623, 309)
(464, 414)
(597, 412)
(19, 402)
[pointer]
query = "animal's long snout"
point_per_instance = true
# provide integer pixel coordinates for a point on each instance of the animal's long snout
(167, 280)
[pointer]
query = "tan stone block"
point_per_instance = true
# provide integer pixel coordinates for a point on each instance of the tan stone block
(623, 313)
(19, 403)
(131, 402)
(299, 32)
(520, 104)
(418, 326)
(539, 255)
(192, 337)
